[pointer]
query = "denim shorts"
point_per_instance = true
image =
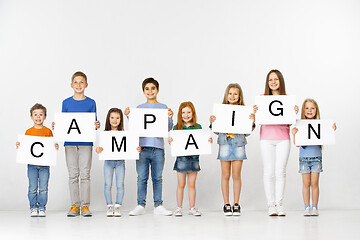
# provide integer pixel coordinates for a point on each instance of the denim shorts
(185, 164)
(310, 164)
(230, 152)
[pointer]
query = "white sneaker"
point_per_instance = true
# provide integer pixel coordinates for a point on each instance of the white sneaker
(307, 212)
(280, 210)
(117, 212)
(272, 211)
(33, 212)
(314, 211)
(193, 211)
(178, 212)
(110, 211)
(139, 210)
(41, 212)
(161, 210)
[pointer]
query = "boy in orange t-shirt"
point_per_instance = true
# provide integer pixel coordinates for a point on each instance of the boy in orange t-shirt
(38, 175)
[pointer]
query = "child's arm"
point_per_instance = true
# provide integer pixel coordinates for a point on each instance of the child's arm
(255, 108)
(334, 126)
(294, 131)
(296, 108)
(97, 124)
(56, 146)
(170, 115)
(17, 145)
(126, 112)
(170, 140)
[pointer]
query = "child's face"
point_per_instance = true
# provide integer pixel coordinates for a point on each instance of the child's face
(186, 114)
(79, 84)
(310, 110)
(38, 117)
(274, 82)
(115, 119)
(233, 96)
(150, 91)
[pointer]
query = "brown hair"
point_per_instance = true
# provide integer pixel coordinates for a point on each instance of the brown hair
(150, 80)
(282, 83)
(317, 115)
(180, 124)
(107, 123)
(241, 97)
(37, 106)
(79, 74)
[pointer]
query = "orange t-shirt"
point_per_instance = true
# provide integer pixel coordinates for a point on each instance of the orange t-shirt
(39, 132)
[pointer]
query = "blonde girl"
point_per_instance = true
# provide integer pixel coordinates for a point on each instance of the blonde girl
(232, 153)
(310, 161)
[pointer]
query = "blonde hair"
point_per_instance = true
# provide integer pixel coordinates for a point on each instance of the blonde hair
(241, 97)
(180, 124)
(317, 115)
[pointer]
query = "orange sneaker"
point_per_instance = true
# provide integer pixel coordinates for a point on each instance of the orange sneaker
(85, 212)
(74, 211)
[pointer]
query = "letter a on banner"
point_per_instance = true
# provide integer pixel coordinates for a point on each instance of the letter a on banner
(191, 137)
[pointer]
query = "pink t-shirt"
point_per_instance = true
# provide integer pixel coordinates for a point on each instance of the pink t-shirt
(275, 132)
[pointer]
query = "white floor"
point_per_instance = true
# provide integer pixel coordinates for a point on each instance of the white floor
(212, 225)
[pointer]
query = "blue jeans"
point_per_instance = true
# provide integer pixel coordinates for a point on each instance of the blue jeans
(38, 180)
(154, 158)
(111, 166)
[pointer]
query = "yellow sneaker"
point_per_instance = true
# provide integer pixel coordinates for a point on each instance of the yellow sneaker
(74, 211)
(85, 212)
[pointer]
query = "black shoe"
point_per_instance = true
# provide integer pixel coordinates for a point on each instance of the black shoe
(227, 210)
(236, 209)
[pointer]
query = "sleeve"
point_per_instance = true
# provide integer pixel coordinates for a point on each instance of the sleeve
(93, 109)
(63, 108)
(50, 133)
(28, 132)
(170, 124)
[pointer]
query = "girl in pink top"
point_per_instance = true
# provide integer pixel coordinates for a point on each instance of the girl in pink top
(275, 148)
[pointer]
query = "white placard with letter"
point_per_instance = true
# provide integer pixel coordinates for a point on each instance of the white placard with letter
(118, 145)
(275, 109)
(232, 119)
(75, 127)
(190, 142)
(36, 150)
(149, 122)
(314, 132)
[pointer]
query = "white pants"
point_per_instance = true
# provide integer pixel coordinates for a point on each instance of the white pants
(275, 154)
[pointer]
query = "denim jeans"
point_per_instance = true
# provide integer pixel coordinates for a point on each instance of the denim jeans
(111, 166)
(153, 158)
(38, 185)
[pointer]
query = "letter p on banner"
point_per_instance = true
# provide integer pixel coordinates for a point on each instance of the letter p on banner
(149, 122)
(36, 150)
(314, 132)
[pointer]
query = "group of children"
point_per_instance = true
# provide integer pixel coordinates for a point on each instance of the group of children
(274, 145)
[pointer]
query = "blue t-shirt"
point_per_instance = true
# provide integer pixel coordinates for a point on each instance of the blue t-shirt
(310, 151)
(72, 105)
(156, 142)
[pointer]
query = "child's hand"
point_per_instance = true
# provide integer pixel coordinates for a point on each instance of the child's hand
(53, 126)
(252, 116)
(138, 149)
(212, 119)
(210, 140)
(334, 126)
(17, 145)
(255, 108)
(294, 131)
(127, 111)
(97, 124)
(170, 140)
(99, 149)
(296, 108)
(170, 113)
(56, 146)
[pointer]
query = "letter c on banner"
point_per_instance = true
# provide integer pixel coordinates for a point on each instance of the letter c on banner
(32, 149)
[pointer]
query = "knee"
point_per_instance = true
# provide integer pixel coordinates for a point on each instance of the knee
(157, 179)
(225, 176)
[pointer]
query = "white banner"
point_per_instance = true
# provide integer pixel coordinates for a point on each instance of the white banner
(118, 145)
(75, 127)
(275, 109)
(232, 119)
(36, 150)
(190, 142)
(149, 122)
(314, 132)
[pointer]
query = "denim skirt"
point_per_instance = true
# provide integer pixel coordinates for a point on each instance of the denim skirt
(230, 152)
(186, 164)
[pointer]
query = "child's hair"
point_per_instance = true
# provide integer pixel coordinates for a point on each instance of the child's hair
(108, 125)
(150, 80)
(317, 115)
(179, 125)
(281, 79)
(37, 106)
(79, 74)
(241, 97)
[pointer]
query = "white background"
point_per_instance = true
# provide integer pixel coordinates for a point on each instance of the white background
(195, 49)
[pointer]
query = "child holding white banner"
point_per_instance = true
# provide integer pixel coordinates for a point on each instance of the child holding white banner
(38, 175)
(310, 161)
(114, 122)
(232, 153)
(186, 166)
